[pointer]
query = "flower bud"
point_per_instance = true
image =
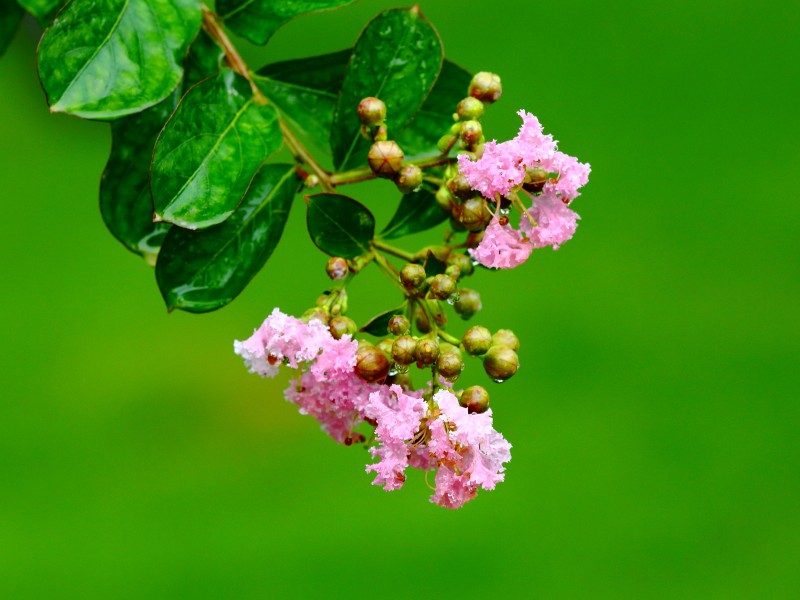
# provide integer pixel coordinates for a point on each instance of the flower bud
(408, 179)
(462, 261)
(412, 276)
(398, 325)
(385, 159)
(427, 350)
(311, 182)
(473, 214)
(380, 134)
(315, 313)
(403, 350)
(477, 340)
(340, 326)
(442, 287)
(460, 188)
(535, 178)
(443, 199)
(337, 268)
(449, 365)
(453, 271)
(371, 111)
(371, 364)
(475, 399)
(486, 87)
(468, 303)
(506, 337)
(421, 321)
(471, 133)
(500, 363)
(474, 238)
(468, 109)
(385, 346)
(401, 379)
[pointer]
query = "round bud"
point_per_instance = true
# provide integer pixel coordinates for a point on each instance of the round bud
(341, 326)
(506, 337)
(371, 364)
(471, 132)
(337, 268)
(462, 261)
(469, 108)
(403, 350)
(500, 363)
(315, 313)
(449, 365)
(453, 271)
(311, 181)
(409, 178)
(412, 275)
(443, 199)
(477, 340)
(448, 347)
(427, 351)
(421, 321)
(371, 111)
(385, 159)
(443, 286)
(474, 238)
(473, 214)
(385, 346)
(535, 178)
(398, 325)
(475, 399)
(486, 87)
(460, 188)
(468, 303)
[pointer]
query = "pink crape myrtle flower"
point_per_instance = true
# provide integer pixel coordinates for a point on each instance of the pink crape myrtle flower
(502, 247)
(555, 223)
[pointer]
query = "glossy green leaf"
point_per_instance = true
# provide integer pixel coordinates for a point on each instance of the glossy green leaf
(200, 271)
(10, 16)
(378, 325)
(257, 20)
(417, 212)
(209, 151)
(125, 201)
(103, 59)
(43, 10)
(397, 59)
(339, 225)
(304, 92)
(420, 137)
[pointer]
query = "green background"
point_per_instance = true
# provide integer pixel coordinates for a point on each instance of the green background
(654, 419)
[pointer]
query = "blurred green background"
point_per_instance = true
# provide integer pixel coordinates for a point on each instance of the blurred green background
(654, 420)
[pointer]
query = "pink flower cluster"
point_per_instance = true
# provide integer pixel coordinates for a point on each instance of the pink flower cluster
(502, 170)
(430, 434)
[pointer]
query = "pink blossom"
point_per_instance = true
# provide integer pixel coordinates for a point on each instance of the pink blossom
(555, 223)
(452, 491)
(572, 175)
(502, 247)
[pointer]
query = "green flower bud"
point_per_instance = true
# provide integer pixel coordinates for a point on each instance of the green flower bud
(412, 276)
(460, 188)
(398, 325)
(468, 303)
(340, 326)
(385, 159)
(473, 214)
(535, 178)
(311, 182)
(421, 321)
(371, 364)
(408, 179)
(475, 399)
(486, 87)
(500, 363)
(315, 313)
(403, 350)
(449, 365)
(469, 108)
(442, 287)
(371, 111)
(463, 262)
(427, 350)
(444, 199)
(477, 340)
(385, 346)
(453, 271)
(445, 347)
(337, 268)
(506, 337)
(471, 133)
(446, 142)
(380, 134)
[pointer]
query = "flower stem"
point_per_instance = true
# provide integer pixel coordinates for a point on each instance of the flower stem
(398, 252)
(364, 173)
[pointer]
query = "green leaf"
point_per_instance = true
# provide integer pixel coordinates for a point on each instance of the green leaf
(103, 59)
(43, 10)
(203, 61)
(209, 151)
(10, 16)
(417, 212)
(419, 139)
(339, 225)
(397, 59)
(434, 266)
(257, 20)
(304, 93)
(200, 271)
(378, 325)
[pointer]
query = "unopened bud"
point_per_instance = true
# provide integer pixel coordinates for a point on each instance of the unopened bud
(442, 287)
(449, 365)
(468, 303)
(412, 275)
(500, 363)
(385, 159)
(421, 321)
(473, 214)
(486, 87)
(506, 337)
(477, 340)
(444, 199)
(398, 325)
(409, 178)
(475, 399)
(371, 111)
(453, 271)
(427, 351)
(371, 364)
(535, 178)
(380, 134)
(337, 268)
(462, 261)
(460, 187)
(311, 181)
(403, 350)
(471, 133)
(315, 313)
(385, 346)
(340, 326)
(474, 238)
(468, 109)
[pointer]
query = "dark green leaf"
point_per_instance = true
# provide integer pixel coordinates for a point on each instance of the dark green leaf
(10, 16)
(43, 10)
(420, 137)
(209, 151)
(257, 20)
(397, 59)
(417, 212)
(434, 266)
(378, 325)
(104, 59)
(200, 271)
(203, 61)
(339, 225)
(304, 92)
